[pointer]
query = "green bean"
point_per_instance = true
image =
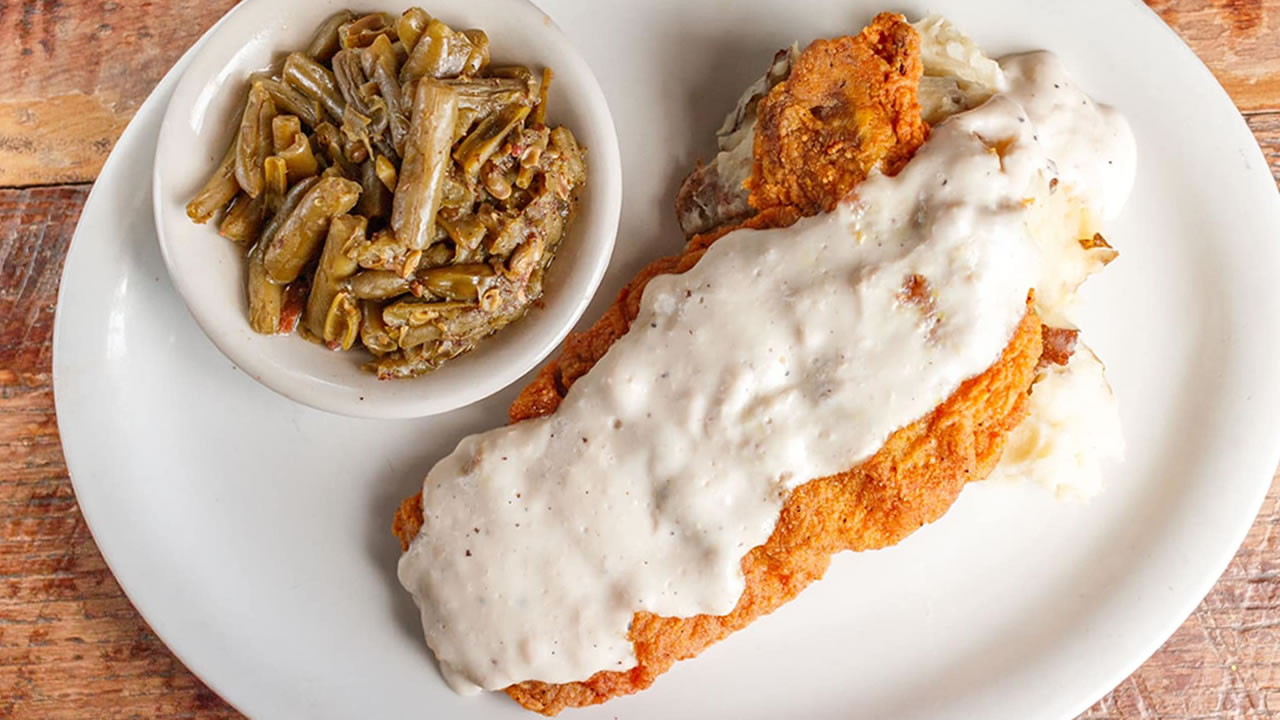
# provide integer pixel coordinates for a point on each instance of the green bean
(243, 218)
(375, 198)
(533, 143)
(411, 263)
(301, 232)
(314, 81)
(567, 169)
(540, 113)
(218, 190)
(489, 94)
(379, 64)
(467, 326)
(439, 53)
(361, 94)
(525, 257)
(287, 206)
(325, 42)
(466, 231)
(514, 72)
(254, 140)
(438, 254)
(276, 172)
(372, 99)
(266, 299)
(478, 58)
(337, 263)
(410, 363)
(299, 159)
(293, 102)
(476, 149)
(386, 171)
(283, 128)
(413, 312)
(456, 194)
(363, 31)
(356, 143)
(426, 159)
(342, 323)
(524, 178)
(414, 336)
(329, 139)
(382, 144)
(381, 53)
(379, 284)
(533, 286)
(383, 251)
(348, 74)
(458, 282)
(411, 25)
(373, 332)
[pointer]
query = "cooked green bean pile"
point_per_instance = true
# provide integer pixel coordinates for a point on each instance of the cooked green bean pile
(394, 189)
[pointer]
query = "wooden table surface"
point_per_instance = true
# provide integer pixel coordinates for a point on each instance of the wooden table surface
(72, 73)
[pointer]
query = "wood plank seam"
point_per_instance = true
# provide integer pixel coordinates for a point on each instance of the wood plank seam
(48, 186)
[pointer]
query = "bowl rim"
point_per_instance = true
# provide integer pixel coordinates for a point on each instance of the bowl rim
(598, 240)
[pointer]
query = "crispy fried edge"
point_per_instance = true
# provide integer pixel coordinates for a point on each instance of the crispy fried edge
(849, 107)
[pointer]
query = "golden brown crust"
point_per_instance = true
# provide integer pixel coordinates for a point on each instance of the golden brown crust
(849, 107)
(921, 468)
(408, 520)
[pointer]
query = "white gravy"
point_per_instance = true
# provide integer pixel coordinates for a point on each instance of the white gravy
(782, 356)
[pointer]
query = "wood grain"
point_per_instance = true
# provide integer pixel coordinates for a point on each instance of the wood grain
(84, 66)
(1224, 662)
(74, 73)
(1238, 39)
(72, 646)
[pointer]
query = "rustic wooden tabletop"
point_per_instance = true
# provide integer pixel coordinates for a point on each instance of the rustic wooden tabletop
(72, 73)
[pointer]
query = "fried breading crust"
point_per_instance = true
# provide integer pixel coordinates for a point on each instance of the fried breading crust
(916, 475)
(850, 106)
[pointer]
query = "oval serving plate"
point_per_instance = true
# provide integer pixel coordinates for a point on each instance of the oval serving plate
(252, 532)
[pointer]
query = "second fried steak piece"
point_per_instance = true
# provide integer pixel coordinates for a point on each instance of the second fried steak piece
(915, 476)
(850, 106)
(828, 117)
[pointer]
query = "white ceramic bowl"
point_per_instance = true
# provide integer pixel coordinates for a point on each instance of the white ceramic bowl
(209, 271)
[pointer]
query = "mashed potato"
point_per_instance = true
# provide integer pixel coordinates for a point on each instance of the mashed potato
(1073, 424)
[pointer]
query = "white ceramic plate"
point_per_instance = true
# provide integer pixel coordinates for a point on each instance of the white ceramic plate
(252, 532)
